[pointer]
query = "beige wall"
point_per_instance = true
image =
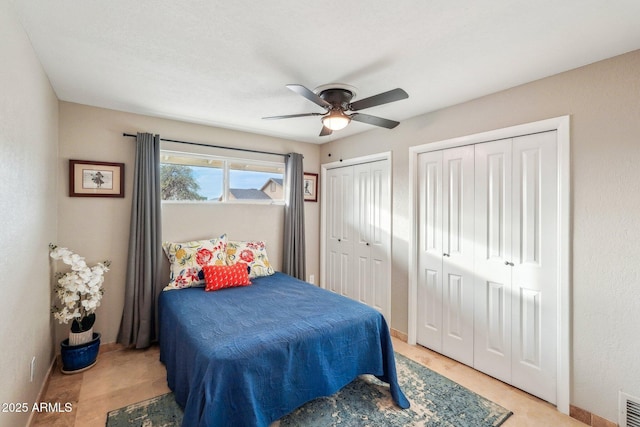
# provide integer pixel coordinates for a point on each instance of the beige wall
(28, 215)
(239, 221)
(99, 228)
(603, 100)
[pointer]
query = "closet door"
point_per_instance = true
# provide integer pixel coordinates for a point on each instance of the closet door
(372, 242)
(515, 262)
(492, 342)
(487, 258)
(445, 281)
(534, 270)
(429, 287)
(457, 256)
(341, 232)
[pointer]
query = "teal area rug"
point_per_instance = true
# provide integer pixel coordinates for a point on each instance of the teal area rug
(435, 401)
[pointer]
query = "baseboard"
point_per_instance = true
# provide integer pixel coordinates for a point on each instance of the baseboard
(588, 418)
(43, 388)
(400, 335)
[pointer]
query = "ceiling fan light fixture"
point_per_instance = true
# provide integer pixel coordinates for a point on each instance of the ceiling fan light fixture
(335, 99)
(336, 120)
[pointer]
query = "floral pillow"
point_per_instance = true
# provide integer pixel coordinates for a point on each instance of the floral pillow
(187, 260)
(253, 253)
(225, 276)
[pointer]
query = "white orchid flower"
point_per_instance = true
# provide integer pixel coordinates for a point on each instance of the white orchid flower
(79, 290)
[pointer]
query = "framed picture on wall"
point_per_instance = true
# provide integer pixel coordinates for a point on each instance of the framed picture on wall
(95, 179)
(310, 189)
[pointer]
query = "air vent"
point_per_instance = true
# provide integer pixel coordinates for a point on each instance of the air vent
(629, 410)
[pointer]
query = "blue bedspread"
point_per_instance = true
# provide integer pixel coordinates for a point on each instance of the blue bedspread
(248, 356)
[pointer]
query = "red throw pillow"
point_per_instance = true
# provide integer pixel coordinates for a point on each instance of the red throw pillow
(225, 276)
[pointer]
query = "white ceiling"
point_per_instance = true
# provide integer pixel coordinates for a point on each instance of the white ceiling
(226, 63)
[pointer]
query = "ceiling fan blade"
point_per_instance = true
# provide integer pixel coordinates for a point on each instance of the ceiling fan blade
(325, 131)
(291, 116)
(379, 99)
(303, 91)
(373, 120)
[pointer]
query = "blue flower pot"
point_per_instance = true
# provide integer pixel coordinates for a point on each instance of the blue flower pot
(78, 358)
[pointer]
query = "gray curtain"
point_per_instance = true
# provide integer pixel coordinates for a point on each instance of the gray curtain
(142, 287)
(293, 260)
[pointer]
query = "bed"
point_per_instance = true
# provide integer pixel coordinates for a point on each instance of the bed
(247, 356)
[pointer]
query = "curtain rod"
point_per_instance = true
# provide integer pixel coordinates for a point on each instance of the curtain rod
(214, 146)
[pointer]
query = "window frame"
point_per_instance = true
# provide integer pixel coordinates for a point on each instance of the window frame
(226, 161)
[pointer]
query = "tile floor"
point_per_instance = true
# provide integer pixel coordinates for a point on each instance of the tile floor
(122, 377)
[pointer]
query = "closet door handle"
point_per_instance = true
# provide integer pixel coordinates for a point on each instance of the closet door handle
(367, 243)
(339, 240)
(508, 263)
(446, 255)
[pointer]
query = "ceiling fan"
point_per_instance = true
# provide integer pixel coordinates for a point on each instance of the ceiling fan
(336, 99)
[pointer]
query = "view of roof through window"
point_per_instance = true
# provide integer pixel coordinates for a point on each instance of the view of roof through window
(202, 178)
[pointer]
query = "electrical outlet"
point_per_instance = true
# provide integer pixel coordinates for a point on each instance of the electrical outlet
(33, 368)
(312, 278)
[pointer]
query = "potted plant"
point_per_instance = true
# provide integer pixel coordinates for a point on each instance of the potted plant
(79, 292)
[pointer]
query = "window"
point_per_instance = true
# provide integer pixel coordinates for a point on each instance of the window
(199, 178)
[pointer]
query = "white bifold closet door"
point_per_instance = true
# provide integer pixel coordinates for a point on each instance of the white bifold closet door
(358, 238)
(445, 281)
(341, 232)
(372, 207)
(487, 264)
(493, 236)
(516, 262)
